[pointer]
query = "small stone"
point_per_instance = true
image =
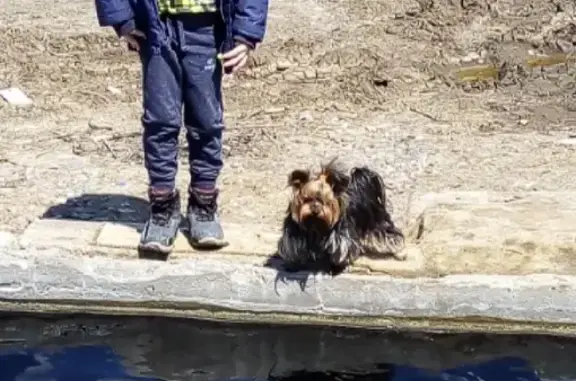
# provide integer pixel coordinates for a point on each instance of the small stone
(310, 74)
(568, 142)
(7, 239)
(283, 64)
(523, 122)
(474, 56)
(565, 46)
(295, 76)
(300, 75)
(15, 97)
(274, 110)
(306, 116)
(114, 90)
(324, 72)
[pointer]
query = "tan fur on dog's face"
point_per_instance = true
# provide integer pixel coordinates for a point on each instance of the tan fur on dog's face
(321, 198)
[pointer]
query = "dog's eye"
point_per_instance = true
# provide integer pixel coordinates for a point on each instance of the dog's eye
(310, 200)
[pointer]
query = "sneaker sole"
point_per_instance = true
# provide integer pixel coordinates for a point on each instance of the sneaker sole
(156, 247)
(209, 243)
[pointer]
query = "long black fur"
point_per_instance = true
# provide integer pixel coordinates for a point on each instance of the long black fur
(331, 253)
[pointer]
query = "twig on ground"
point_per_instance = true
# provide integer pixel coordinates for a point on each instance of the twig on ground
(425, 114)
(129, 154)
(125, 135)
(315, 131)
(105, 143)
(94, 94)
(255, 126)
(4, 160)
(102, 139)
(272, 139)
(253, 114)
(64, 137)
(93, 126)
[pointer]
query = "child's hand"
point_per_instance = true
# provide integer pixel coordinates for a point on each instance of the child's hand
(132, 39)
(236, 58)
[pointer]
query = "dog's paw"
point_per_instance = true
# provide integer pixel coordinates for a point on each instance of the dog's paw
(336, 270)
(401, 255)
(396, 245)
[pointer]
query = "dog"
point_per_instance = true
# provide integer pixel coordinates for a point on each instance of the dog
(334, 217)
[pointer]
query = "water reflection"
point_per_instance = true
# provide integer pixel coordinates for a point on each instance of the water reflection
(100, 363)
(503, 369)
(83, 363)
(154, 349)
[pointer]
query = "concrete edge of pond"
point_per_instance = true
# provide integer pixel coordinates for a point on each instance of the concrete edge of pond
(56, 281)
(66, 266)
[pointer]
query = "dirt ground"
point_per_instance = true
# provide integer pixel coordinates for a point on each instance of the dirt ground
(370, 81)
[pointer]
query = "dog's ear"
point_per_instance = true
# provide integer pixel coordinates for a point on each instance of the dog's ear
(298, 178)
(337, 179)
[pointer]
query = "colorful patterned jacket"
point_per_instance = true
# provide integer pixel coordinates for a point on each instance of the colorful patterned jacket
(245, 20)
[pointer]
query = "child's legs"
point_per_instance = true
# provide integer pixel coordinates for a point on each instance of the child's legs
(162, 117)
(203, 115)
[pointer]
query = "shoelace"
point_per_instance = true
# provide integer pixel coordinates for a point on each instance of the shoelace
(206, 212)
(162, 212)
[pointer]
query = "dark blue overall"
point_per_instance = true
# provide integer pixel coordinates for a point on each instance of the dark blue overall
(185, 72)
(180, 69)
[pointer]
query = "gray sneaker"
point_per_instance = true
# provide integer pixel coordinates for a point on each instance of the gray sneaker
(203, 220)
(161, 228)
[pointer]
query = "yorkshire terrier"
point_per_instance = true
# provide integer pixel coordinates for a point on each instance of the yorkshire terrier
(334, 217)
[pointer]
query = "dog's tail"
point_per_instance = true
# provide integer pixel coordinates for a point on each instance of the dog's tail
(369, 183)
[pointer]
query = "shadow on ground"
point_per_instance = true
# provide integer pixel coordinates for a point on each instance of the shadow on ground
(130, 210)
(117, 208)
(102, 207)
(284, 276)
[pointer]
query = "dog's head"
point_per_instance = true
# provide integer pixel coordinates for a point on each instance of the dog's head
(318, 200)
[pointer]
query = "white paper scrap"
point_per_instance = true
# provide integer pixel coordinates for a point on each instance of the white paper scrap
(15, 96)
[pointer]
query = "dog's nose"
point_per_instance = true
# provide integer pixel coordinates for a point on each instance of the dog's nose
(316, 208)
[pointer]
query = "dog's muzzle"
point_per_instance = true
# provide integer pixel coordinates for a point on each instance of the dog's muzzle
(316, 209)
(315, 222)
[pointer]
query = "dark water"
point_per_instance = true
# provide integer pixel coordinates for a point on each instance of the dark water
(146, 349)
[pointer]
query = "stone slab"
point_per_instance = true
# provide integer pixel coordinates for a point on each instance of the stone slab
(427, 200)
(243, 239)
(246, 240)
(451, 233)
(60, 233)
(491, 233)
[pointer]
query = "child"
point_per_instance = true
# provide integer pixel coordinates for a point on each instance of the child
(182, 45)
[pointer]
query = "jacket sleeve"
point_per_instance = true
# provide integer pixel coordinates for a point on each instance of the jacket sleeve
(250, 18)
(113, 12)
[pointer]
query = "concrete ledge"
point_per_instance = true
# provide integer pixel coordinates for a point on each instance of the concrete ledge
(497, 233)
(53, 281)
(63, 266)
